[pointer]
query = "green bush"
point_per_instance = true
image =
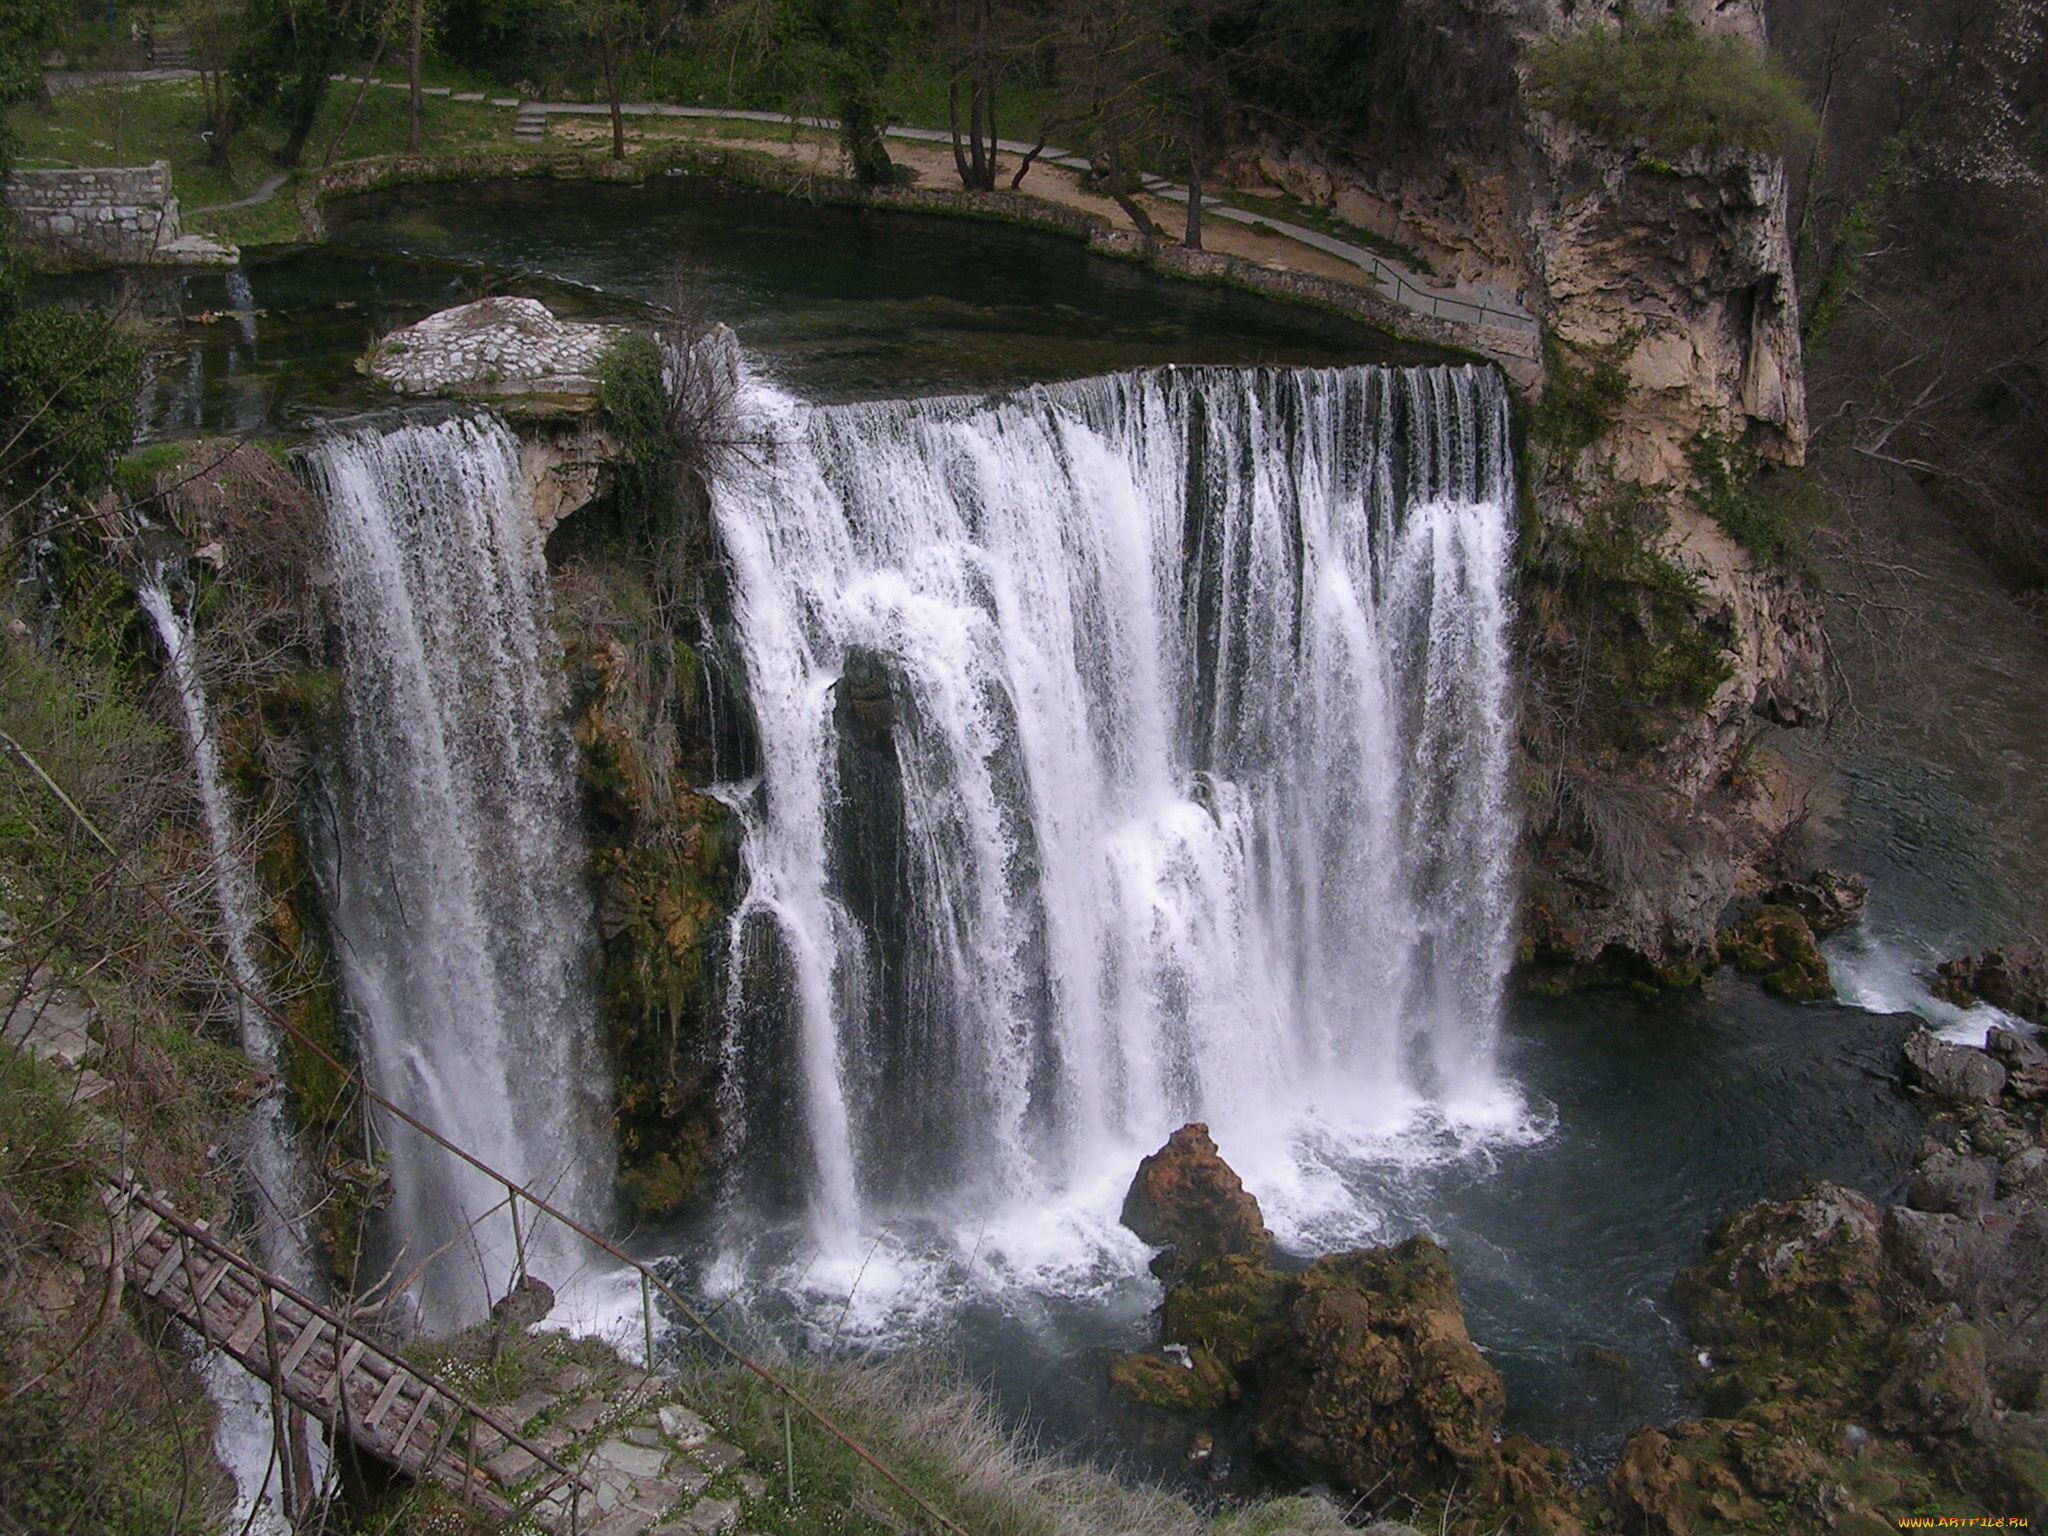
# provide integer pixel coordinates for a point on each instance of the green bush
(1668, 87)
(1624, 624)
(1583, 389)
(1768, 510)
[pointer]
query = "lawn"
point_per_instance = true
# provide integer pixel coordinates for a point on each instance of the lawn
(164, 120)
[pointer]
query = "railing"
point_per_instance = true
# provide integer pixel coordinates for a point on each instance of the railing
(651, 1281)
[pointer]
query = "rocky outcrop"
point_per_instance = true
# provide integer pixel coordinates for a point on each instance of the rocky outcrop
(509, 351)
(1863, 1362)
(1191, 1204)
(1671, 339)
(1377, 1384)
(1776, 944)
(2014, 979)
(1356, 1371)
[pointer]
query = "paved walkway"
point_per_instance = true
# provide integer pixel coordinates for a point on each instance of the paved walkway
(265, 189)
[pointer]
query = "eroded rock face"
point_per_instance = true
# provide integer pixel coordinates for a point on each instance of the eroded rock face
(1187, 1200)
(1677, 277)
(510, 351)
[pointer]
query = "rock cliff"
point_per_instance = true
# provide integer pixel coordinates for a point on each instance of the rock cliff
(1672, 374)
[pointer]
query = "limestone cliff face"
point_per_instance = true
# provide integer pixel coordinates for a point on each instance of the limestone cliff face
(1672, 286)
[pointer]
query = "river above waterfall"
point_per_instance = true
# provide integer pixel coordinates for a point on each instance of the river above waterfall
(834, 303)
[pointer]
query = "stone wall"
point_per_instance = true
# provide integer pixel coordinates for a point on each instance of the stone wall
(106, 216)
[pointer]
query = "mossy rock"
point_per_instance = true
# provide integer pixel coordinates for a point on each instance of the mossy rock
(1234, 1308)
(1200, 1385)
(1777, 944)
(1379, 1385)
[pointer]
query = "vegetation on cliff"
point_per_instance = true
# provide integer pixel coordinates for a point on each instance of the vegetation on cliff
(1670, 87)
(637, 583)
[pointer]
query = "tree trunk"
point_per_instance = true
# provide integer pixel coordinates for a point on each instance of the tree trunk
(953, 123)
(992, 170)
(953, 100)
(611, 91)
(976, 159)
(1124, 200)
(383, 36)
(1196, 145)
(419, 30)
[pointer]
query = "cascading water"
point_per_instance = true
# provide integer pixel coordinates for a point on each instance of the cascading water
(466, 931)
(275, 1176)
(1132, 751)
(278, 1186)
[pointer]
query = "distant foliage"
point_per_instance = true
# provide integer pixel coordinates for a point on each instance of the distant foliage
(1397, 74)
(1668, 88)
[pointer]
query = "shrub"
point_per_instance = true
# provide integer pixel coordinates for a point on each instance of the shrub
(1622, 626)
(1668, 87)
(1583, 388)
(1768, 511)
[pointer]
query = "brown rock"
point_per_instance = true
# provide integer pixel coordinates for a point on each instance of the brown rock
(1777, 944)
(2014, 978)
(1793, 1273)
(1829, 899)
(1197, 1383)
(1187, 1200)
(524, 1305)
(1379, 1385)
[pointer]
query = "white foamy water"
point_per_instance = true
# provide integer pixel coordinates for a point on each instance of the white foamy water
(464, 924)
(1133, 751)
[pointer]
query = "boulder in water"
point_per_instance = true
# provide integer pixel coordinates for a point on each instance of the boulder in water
(1377, 1384)
(1357, 1371)
(1777, 943)
(1191, 1203)
(2014, 978)
(1962, 1074)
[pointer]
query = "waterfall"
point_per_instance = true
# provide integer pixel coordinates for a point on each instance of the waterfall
(465, 927)
(277, 1178)
(1132, 751)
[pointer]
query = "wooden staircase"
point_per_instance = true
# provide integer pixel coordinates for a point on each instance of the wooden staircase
(394, 1410)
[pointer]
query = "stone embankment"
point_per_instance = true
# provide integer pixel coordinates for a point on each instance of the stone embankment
(111, 216)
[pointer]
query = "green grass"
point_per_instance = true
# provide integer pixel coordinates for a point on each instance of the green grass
(941, 1438)
(135, 124)
(1668, 88)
